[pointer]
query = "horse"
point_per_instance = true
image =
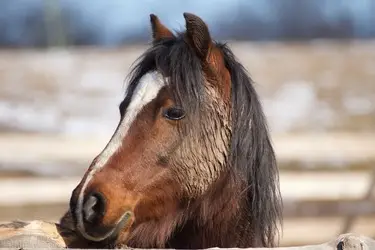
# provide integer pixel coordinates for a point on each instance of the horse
(191, 162)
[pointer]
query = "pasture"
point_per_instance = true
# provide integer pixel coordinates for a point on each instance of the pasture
(58, 108)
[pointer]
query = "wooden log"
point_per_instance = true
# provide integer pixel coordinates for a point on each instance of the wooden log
(34, 234)
(41, 234)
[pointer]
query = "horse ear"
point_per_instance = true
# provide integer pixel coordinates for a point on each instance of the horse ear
(198, 35)
(159, 31)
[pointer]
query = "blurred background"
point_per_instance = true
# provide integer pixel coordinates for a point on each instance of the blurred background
(62, 70)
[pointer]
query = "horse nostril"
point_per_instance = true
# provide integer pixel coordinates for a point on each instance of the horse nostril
(93, 208)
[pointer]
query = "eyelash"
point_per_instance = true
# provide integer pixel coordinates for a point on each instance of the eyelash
(174, 113)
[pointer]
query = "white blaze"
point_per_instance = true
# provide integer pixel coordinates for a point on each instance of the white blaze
(147, 89)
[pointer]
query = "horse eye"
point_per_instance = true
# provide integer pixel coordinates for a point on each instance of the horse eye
(174, 113)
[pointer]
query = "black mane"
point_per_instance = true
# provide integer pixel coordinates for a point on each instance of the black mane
(252, 153)
(252, 158)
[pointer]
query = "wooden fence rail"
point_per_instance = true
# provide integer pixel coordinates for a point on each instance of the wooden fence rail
(313, 213)
(43, 235)
(332, 151)
(319, 202)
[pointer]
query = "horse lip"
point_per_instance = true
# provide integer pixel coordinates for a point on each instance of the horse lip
(123, 222)
(114, 232)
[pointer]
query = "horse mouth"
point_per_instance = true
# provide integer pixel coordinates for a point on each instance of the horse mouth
(97, 234)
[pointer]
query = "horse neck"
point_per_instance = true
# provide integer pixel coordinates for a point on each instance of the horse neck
(219, 219)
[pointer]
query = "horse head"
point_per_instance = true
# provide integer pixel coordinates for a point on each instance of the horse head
(190, 164)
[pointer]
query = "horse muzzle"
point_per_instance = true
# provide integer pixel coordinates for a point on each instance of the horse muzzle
(90, 214)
